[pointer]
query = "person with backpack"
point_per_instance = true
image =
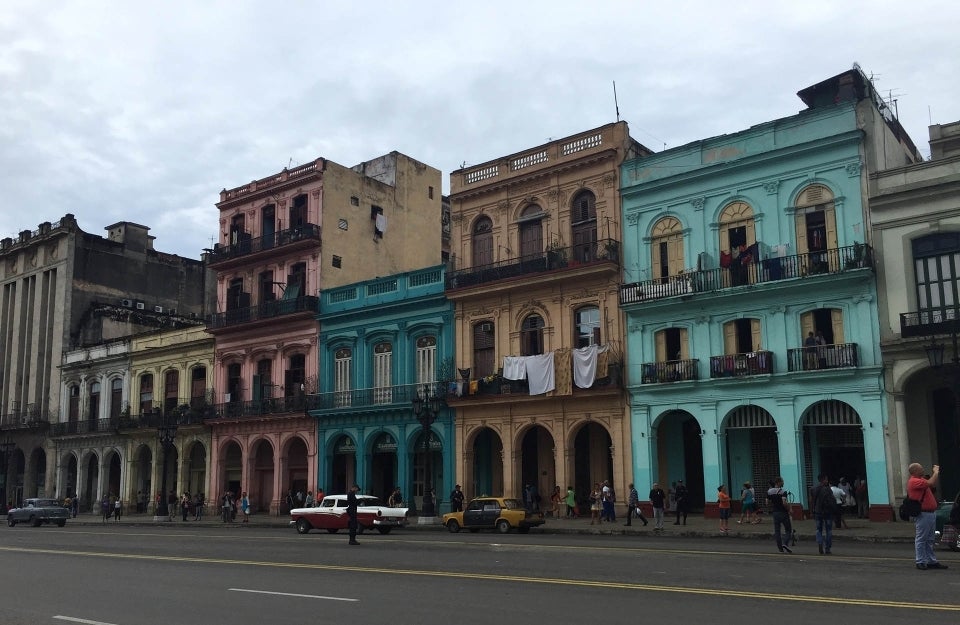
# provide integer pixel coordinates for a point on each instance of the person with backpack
(919, 489)
(824, 504)
(781, 513)
(748, 504)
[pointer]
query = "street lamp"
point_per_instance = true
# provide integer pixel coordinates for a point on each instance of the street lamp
(6, 446)
(426, 407)
(166, 431)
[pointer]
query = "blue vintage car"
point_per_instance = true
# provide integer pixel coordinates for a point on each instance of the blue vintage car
(38, 511)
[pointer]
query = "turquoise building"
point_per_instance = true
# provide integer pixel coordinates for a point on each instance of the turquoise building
(751, 305)
(382, 343)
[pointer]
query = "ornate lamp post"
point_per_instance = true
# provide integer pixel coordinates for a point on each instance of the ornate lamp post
(426, 407)
(166, 431)
(6, 446)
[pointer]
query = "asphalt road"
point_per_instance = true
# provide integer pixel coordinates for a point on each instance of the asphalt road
(240, 575)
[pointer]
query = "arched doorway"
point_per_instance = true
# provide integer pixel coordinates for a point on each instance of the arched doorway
(91, 483)
(752, 449)
(171, 463)
(383, 466)
(592, 462)
(487, 466)
(343, 465)
(260, 489)
(68, 475)
(537, 462)
(832, 443)
(36, 475)
(197, 468)
(113, 475)
(140, 481)
(231, 469)
(680, 453)
(427, 443)
(298, 478)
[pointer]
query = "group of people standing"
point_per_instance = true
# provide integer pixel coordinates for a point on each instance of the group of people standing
(230, 506)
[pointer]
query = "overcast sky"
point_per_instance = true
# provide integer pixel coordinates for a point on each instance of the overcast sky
(143, 111)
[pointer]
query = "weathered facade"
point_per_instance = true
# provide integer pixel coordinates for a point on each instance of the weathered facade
(535, 268)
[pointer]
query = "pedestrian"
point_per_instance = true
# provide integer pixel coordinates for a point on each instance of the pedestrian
(823, 512)
(528, 498)
(748, 504)
(723, 504)
(821, 350)
(595, 497)
(919, 489)
(781, 514)
(839, 497)
(75, 505)
(609, 499)
(309, 502)
(352, 514)
(291, 504)
(633, 505)
(396, 498)
(226, 504)
(810, 350)
(105, 508)
(571, 502)
(556, 500)
(456, 499)
(860, 494)
(184, 506)
(657, 499)
(198, 507)
(682, 496)
(117, 509)
(245, 506)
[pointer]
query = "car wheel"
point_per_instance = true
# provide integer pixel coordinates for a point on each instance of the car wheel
(384, 530)
(10, 521)
(503, 526)
(452, 526)
(524, 529)
(332, 530)
(61, 523)
(35, 522)
(303, 526)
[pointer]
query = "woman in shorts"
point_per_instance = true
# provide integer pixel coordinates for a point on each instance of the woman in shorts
(748, 503)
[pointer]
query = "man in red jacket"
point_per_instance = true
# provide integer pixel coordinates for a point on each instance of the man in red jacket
(918, 488)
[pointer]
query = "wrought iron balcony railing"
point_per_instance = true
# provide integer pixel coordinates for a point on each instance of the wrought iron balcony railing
(246, 247)
(833, 356)
(266, 310)
(184, 414)
(373, 397)
(669, 371)
(930, 322)
(739, 365)
(831, 261)
(604, 251)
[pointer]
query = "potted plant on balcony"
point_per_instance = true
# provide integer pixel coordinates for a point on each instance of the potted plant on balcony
(610, 249)
(856, 257)
(556, 254)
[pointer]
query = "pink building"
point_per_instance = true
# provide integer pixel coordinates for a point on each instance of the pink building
(283, 239)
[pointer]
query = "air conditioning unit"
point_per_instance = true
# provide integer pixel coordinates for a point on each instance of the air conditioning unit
(486, 326)
(126, 303)
(158, 309)
(140, 306)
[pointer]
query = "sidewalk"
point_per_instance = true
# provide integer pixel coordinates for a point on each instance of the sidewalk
(697, 526)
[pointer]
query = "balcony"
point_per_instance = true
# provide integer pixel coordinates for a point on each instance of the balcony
(930, 322)
(398, 396)
(834, 356)
(264, 311)
(32, 418)
(669, 371)
(497, 387)
(307, 235)
(186, 413)
(833, 261)
(259, 408)
(605, 252)
(741, 365)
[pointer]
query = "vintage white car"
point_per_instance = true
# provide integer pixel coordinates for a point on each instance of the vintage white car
(331, 515)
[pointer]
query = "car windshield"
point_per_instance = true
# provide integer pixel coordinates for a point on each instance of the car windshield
(512, 504)
(368, 501)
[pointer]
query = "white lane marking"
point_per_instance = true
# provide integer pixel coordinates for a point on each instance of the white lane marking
(85, 621)
(291, 594)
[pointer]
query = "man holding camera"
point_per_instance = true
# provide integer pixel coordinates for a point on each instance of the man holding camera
(919, 488)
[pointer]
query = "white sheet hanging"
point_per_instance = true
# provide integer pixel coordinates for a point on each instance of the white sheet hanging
(585, 366)
(515, 367)
(540, 373)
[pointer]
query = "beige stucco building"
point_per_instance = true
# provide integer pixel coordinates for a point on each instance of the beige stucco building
(535, 270)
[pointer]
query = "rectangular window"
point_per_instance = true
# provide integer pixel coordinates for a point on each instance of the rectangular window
(234, 383)
(198, 387)
(483, 349)
(354, 200)
(426, 362)
(342, 364)
(337, 262)
(146, 394)
(430, 192)
(383, 374)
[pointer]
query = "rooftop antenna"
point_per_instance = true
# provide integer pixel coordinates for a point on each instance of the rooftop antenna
(615, 104)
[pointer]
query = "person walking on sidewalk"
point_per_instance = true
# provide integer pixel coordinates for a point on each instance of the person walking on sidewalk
(245, 506)
(226, 505)
(571, 502)
(823, 513)
(198, 507)
(682, 497)
(748, 503)
(595, 496)
(781, 514)
(657, 499)
(723, 504)
(117, 509)
(633, 506)
(919, 489)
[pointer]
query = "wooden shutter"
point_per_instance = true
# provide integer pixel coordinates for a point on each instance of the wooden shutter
(836, 318)
(675, 254)
(684, 347)
(801, 224)
(806, 326)
(730, 337)
(661, 345)
(755, 334)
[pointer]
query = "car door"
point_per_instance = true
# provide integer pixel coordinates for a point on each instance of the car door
(473, 515)
(491, 512)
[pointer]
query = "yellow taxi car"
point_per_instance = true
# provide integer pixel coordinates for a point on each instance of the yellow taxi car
(499, 513)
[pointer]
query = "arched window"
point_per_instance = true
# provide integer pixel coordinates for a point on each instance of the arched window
(583, 220)
(816, 222)
(146, 393)
(483, 349)
(74, 414)
(198, 387)
(666, 249)
(587, 322)
(116, 397)
(531, 232)
(383, 372)
(171, 390)
(531, 336)
(342, 365)
(263, 380)
(482, 242)
(295, 376)
(93, 402)
(234, 382)
(426, 356)
(737, 230)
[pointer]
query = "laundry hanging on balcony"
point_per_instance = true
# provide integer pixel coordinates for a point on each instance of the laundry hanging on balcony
(585, 365)
(540, 373)
(515, 367)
